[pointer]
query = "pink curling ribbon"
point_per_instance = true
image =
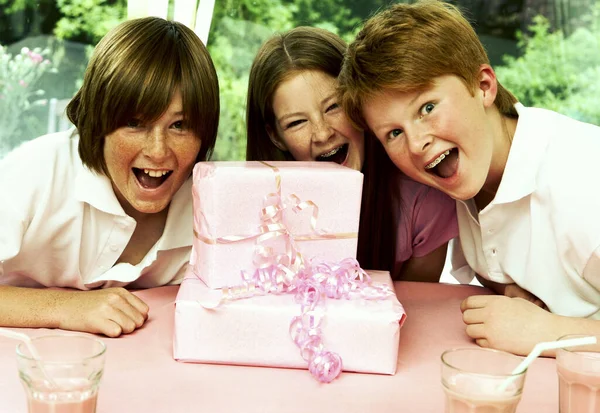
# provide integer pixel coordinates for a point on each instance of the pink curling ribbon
(280, 272)
(313, 283)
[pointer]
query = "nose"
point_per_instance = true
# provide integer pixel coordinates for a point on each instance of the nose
(157, 148)
(322, 131)
(418, 140)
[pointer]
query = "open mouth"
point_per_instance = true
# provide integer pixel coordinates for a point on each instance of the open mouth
(445, 165)
(337, 155)
(151, 179)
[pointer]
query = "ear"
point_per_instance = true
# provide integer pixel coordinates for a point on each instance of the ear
(275, 139)
(488, 84)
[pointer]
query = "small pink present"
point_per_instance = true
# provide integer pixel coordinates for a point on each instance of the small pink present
(320, 214)
(256, 331)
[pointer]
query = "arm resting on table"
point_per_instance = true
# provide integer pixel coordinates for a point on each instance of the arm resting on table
(112, 311)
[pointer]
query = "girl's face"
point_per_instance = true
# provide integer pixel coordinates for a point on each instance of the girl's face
(148, 163)
(443, 136)
(311, 125)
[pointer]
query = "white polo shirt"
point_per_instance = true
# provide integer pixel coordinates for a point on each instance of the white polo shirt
(61, 225)
(542, 230)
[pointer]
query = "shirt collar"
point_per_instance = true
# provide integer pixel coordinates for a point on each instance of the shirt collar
(96, 189)
(527, 150)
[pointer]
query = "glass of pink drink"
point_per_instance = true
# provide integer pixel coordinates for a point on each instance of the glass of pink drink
(472, 379)
(578, 371)
(66, 374)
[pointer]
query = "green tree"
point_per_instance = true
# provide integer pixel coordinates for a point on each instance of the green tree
(558, 72)
(89, 20)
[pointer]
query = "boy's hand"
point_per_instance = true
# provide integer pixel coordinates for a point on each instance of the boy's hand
(515, 325)
(112, 311)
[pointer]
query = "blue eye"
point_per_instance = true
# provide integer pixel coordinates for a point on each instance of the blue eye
(427, 108)
(394, 133)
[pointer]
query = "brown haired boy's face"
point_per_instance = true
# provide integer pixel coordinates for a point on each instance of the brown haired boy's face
(148, 163)
(441, 136)
(311, 125)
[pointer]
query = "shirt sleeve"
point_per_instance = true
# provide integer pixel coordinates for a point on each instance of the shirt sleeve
(15, 204)
(434, 221)
(591, 272)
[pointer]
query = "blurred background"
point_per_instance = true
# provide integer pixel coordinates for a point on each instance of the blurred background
(546, 51)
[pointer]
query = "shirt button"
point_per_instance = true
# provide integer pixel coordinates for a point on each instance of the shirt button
(101, 267)
(113, 247)
(493, 251)
(490, 231)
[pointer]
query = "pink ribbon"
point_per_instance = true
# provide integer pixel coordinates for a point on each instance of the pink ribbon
(281, 272)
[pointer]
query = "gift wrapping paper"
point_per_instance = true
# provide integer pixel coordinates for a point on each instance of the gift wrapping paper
(255, 331)
(229, 196)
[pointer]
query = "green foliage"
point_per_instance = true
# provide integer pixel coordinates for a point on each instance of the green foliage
(12, 6)
(557, 72)
(89, 20)
(332, 15)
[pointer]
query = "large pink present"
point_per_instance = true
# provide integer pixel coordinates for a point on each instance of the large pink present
(229, 202)
(256, 331)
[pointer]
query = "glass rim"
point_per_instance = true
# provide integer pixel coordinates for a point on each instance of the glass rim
(487, 350)
(96, 355)
(578, 350)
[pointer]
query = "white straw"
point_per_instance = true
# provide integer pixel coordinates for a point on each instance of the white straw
(34, 354)
(540, 348)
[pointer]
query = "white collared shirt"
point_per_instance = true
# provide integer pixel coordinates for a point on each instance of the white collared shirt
(542, 230)
(61, 224)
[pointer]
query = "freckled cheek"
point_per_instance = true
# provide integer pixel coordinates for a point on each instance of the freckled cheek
(117, 157)
(299, 145)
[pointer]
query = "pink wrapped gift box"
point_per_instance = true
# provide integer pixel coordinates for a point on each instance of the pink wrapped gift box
(255, 331)
(229, 196)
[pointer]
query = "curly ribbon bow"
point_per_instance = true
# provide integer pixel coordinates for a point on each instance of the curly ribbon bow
(286, 272)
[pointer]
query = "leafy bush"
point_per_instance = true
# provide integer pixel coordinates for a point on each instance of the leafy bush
(557, 72)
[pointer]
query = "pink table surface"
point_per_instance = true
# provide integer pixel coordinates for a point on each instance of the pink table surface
(141, 375)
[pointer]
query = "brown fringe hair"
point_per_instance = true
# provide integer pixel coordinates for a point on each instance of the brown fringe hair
(133, 73)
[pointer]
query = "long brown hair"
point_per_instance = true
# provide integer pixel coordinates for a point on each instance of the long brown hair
(133, 73)
(279, 58)
(309, 48)
(405, 47)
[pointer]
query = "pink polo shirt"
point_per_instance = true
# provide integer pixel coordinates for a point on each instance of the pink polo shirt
(427, 221)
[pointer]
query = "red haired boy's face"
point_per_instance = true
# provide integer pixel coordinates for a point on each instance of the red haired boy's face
(443, 136)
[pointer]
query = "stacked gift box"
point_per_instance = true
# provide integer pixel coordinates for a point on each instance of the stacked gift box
(263, 232)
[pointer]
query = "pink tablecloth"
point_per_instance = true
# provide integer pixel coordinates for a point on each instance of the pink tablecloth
(141, 375)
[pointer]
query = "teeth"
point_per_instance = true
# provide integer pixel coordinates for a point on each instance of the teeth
(155, 174)
(331, 153)
(437, 160)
